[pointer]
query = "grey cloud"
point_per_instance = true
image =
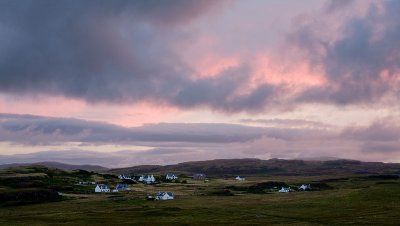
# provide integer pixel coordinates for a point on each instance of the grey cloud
(125, 51)
(176, 142)
(382, 136)
(81, 49)
(336, 5)
(381, 147)
(354, 63)
(275, 122)
(383, 130)
(41, 130)
(220, 92)
(113, 51)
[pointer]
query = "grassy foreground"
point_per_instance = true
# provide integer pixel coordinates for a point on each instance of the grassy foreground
(350, 201)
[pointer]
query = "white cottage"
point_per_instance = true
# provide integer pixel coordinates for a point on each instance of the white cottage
(124, 177)
(102, 188)
(240, 178)
(284, 190)
(171, 176)
(148, 179)
(164, 196)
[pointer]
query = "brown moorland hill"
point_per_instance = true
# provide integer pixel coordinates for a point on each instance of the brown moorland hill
(229, 167)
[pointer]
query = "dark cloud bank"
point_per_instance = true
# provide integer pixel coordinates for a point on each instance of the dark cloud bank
(111, 51)
(122, 52)
(363, 64)
(175, 142)
(36, 130)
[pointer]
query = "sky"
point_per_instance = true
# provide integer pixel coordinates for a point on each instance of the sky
(121, 83)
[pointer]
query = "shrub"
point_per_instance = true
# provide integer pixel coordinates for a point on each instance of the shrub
(26, 196)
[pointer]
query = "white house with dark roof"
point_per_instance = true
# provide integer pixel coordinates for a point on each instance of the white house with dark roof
(147, 179)
(171, 176)
(164, 196)
(284, 190)
(124, 177)
(102, 188)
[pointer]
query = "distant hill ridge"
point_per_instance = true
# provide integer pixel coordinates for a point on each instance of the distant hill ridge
(221, 167)
(247, 166)
(59, 165)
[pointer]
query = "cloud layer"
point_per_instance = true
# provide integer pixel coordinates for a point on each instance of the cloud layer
(175, 142)
(35, 130)
(131, 51)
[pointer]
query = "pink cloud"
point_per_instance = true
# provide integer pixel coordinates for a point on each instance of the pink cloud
(124, 115)
(277, 71)
(41, 105)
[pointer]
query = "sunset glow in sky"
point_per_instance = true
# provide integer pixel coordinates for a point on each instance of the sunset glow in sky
(121, 83)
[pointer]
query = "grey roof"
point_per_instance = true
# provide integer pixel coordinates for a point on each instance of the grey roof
(161, 193)
(103, 186)
(119, 186)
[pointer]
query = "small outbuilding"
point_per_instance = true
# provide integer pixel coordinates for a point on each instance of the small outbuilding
(121, 187)
(240, 178)
(149, 197)
(305, 187)
(199, 176)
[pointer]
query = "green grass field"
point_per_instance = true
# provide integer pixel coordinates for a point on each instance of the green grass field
(350, 201)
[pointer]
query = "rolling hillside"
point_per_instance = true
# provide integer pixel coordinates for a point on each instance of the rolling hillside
(228, 167)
